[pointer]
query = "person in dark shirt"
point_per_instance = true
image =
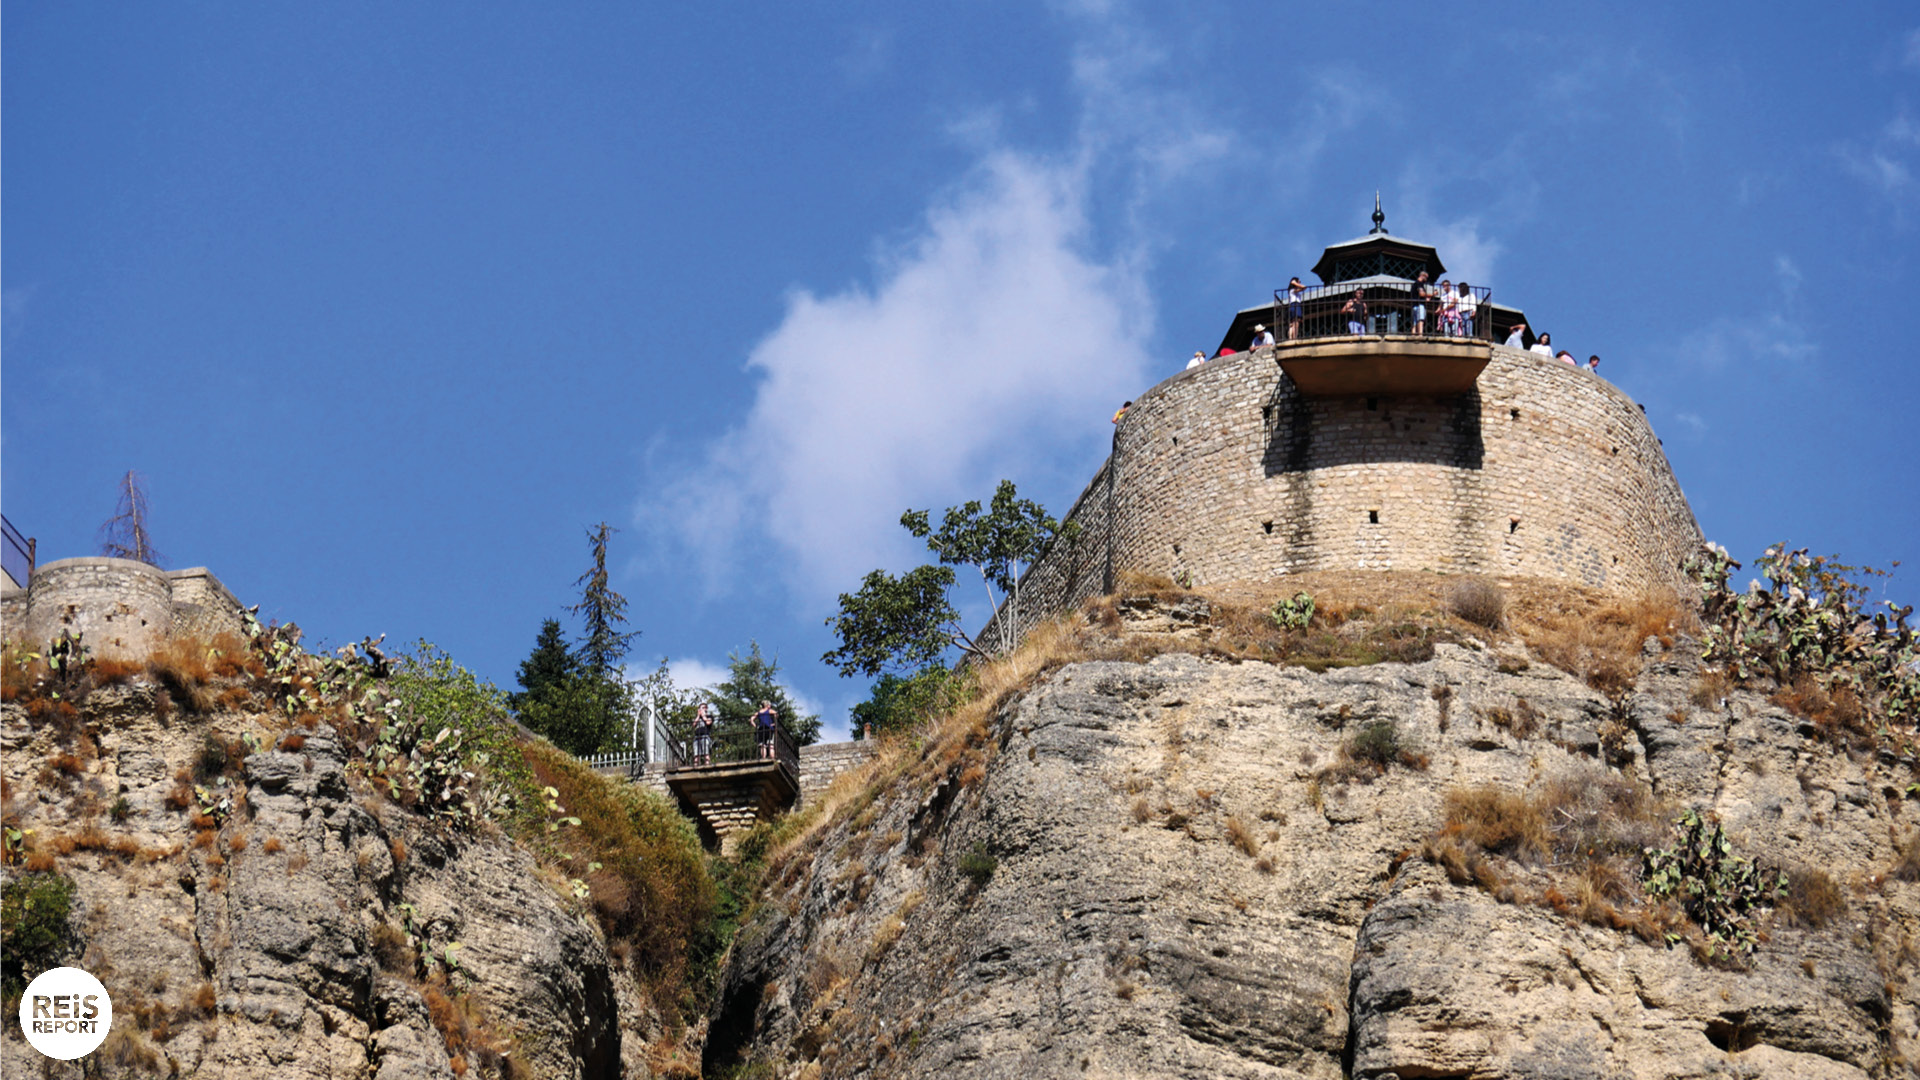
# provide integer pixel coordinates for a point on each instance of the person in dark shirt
(1355, 310)
(764, 722)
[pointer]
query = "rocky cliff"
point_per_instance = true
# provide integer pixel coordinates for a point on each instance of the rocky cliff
(1191, 864)
(259, 905)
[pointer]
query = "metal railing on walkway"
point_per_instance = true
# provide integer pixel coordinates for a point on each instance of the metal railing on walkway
(732, 743)
(1354, 308)
(18, 553)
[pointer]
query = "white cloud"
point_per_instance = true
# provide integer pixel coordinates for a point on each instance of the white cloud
(693, 674)
(1771, 340)
(1693, 421)
(991, 340)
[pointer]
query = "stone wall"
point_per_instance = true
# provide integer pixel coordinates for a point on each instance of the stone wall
(1226, 472)
(121, 607)
(822, 762)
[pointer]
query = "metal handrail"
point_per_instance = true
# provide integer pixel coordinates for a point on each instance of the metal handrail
(1381, 307)
(18, 555)
(733, 744)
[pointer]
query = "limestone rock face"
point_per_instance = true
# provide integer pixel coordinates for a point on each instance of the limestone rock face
(1126, 930)
(255, 955)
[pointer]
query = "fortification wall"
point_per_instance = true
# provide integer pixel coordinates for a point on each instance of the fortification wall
(1226, 472)
(120, 607)
(822, 762)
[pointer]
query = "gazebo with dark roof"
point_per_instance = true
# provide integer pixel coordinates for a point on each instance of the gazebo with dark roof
(1377, 264)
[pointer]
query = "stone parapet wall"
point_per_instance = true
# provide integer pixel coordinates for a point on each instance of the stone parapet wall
(822, 762)
(1227, 472)
(120, 607)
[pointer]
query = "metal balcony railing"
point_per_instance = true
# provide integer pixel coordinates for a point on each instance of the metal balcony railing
(1356, 308)
(732, 743)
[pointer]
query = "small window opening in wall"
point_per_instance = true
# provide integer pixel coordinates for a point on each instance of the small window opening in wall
(1267, 526)
(1373, 517)
(1266, 412)
(1176, 440)
(1513, 414)
(1373, 404)
(1616, 451)
(1513, 526)
(1616, 560)
(1176, 549)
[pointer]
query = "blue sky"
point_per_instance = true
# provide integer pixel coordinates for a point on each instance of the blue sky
(389, 303)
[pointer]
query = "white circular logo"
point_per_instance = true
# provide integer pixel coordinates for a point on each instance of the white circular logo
(65, 1013)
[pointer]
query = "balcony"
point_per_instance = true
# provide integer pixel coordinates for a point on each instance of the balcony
(1382, 364)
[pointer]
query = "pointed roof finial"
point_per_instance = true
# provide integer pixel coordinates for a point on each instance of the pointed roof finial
(1379, 219)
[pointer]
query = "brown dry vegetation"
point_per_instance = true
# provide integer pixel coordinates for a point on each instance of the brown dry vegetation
(1572, 844)
(651, 892)
(1366, 617)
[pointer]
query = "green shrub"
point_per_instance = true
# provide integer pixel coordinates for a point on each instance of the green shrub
(979, 864)
(1378, 742)
(37, 926)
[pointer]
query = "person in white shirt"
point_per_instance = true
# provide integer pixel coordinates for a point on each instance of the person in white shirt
(1449, 309)
(1543, 345)
(1469, 307)
(1517, 339)
(1261, 336)
(1198, 359)
(1593, 364)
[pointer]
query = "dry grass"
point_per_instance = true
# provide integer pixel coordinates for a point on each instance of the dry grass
(1837, 714)
(1599, 637)
(1571, 844)
(1480, 602)
(1241, 837)
(1813, 899)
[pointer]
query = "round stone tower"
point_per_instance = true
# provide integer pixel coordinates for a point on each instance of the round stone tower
(119, 607)
(1380, 435)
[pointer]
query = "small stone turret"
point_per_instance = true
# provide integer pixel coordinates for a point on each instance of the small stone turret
(118, 607)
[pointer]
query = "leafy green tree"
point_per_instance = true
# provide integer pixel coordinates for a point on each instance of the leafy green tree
(897, 703)
(752, 679)
(550, 664)
(582, 715)
(602, 611)
(901, 624)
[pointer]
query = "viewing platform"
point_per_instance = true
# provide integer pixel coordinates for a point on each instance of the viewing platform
(732, 787)
(1382, 364)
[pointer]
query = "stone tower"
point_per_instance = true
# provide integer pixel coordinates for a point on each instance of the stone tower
(1416, 443)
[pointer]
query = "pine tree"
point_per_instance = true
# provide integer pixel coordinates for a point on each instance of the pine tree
(602, 611)
(752, 679)
(550, 665)
(124, 536)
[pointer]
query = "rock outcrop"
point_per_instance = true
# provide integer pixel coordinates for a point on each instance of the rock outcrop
(1158, 872)
(254, 946)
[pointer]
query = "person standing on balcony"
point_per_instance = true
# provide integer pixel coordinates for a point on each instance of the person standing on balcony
(1355, 310)
(1422, 295)
(703, 735)
(764, 723)
(1296, 308)
(1199, 358)
(1469, 307)
(1449, 309)
(1593, 364)
(1543, 345)
(1518, 338)
(1262, 337)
